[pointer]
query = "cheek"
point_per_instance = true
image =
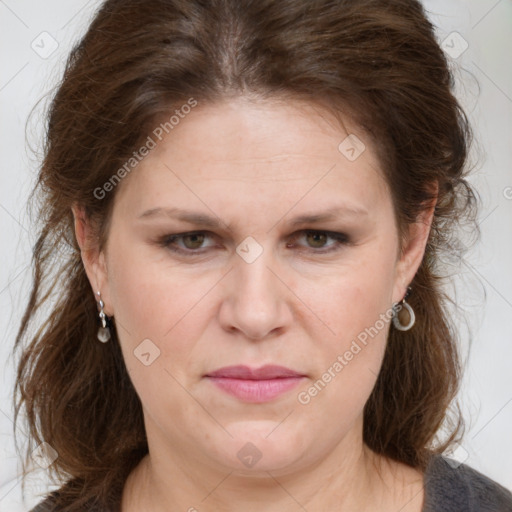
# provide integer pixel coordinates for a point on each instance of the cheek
(351, 298)
(149, 295)
(354, 307)
(160, 309)
(347, 364)
(153, 309)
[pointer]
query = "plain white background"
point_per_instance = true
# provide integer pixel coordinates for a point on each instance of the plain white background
(36, 38)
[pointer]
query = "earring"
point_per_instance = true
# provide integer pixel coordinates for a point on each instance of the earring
(103, 331)
(397, 307)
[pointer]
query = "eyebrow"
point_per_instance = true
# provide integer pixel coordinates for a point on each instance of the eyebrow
(203, 219)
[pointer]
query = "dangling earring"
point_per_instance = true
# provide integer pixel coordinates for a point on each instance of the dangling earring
(397, 306)
(103, 331)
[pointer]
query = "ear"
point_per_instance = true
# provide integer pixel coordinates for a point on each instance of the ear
(414, 249)
(93, 259)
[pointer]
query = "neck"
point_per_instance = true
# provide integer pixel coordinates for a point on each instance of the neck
(347, 478)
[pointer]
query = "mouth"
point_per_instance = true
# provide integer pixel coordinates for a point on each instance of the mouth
(255, 385)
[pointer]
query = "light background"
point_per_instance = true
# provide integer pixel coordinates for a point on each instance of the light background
(483, 282)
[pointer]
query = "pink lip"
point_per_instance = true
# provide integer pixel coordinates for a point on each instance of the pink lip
(255, 385)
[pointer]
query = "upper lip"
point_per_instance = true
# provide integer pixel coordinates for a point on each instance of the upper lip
(248, 373)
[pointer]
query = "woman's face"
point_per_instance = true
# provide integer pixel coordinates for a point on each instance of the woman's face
(256, 285)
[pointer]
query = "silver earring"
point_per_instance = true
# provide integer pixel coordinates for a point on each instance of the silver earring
(103, 331)
(397, 307)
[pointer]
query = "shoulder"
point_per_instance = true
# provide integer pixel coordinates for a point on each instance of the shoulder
(46, 505)
(49, 504)
(454, 487)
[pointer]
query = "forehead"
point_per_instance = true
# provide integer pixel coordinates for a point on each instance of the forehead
(247, 131)
(259, 150)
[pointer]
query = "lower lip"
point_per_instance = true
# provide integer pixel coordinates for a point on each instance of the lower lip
(256, 391)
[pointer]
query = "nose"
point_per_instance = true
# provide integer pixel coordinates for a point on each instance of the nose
(256, 301)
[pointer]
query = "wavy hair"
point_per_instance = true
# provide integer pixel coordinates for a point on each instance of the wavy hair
(138, 60)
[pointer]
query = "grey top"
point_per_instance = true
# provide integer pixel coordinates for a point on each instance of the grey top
(449, 487)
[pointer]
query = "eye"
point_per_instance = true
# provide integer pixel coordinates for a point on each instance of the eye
(192, 244)
(319, 239)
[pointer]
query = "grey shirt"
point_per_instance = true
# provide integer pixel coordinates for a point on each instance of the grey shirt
(449, 487)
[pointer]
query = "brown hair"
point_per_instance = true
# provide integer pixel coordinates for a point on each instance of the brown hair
(141, 59)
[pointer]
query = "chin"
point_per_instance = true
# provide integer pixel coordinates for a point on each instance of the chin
(258, 447)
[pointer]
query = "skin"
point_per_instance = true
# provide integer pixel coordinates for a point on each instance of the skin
(256, 166)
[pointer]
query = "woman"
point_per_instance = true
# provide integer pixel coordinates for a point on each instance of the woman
(254, 197)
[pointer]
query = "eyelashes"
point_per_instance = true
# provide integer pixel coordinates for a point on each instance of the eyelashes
(197, 238)
(340, 239)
